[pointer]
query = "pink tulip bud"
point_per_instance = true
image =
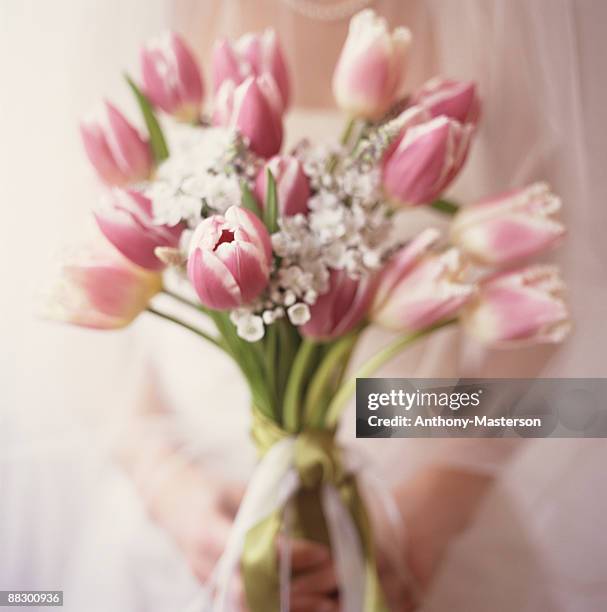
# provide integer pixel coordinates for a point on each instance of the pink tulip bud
(506, 228)
(115, 148)
(424, 160)
(524, 306)
(230, 258)
(455, 99)
(341, 308)
(95, 286)
(371, 68)
(251, 55)
(419, 288)
(171, 77)
(127, 222)
(292, 185)
(254, 109)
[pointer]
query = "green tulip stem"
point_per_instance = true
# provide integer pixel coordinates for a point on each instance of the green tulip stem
(198, 332)
(379, 359)
(294, 389)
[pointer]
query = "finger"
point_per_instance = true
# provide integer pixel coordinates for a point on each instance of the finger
(230, 498)
(317, 604)
(398, 590)
(305, 554)
(239, 595)
(201, 567)
(318, 581)
(210, 540)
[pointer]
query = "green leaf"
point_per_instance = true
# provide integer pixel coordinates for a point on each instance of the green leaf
(271, 209)
(157, 141)
(248, 199)
(447, 207)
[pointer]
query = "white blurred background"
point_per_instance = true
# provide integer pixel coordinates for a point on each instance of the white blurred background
(57, 384)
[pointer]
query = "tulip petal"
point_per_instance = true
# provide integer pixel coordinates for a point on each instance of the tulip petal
(416, 172)
(123, 231)
(213, 281)
(371, 66)
(341, 308)
(171, 77)
(506, 228)
(254, 108)
(426, 291)
(455, 99)
(247, 264)
(100, 154)
(225, 65)
(402, 262)
(189, 80)
(251, 55)
(292, 185)
(95, 287)
(523, 306)
(127, 222)
(131, 152)
(238, 216)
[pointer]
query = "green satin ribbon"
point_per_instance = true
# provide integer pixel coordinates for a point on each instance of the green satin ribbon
(318, 461)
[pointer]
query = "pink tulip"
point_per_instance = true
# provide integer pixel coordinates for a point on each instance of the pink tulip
(341, 309)
(371, 68)
(171, 77)
(115, 148)
(230, 258)
(254, 109)
(419, 288)
(455, 99)
(524, 306)
(292, 186)
(424, 160)
(251, 55)
(96, 287)
(506, 228)
(127, 222)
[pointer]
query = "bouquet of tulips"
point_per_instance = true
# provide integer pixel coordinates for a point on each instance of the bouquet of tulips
(292, 256)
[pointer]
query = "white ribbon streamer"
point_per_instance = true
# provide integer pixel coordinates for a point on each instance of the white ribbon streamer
(274, 482)
(347, 551)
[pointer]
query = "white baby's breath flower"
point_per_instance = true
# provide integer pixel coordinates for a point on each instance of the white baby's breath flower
(250, 328)
(372, 259)
(219, 191)
(299, 314)
(310, 296)
(335, 255)
(203, 169)
(280, 244)
(289, 298)
(268, 317)
(328, 223)
(238, 315)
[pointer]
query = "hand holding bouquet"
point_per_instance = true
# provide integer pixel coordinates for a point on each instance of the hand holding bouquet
(293, 256)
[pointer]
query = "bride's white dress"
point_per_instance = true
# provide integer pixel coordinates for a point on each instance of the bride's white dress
(538, 542)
